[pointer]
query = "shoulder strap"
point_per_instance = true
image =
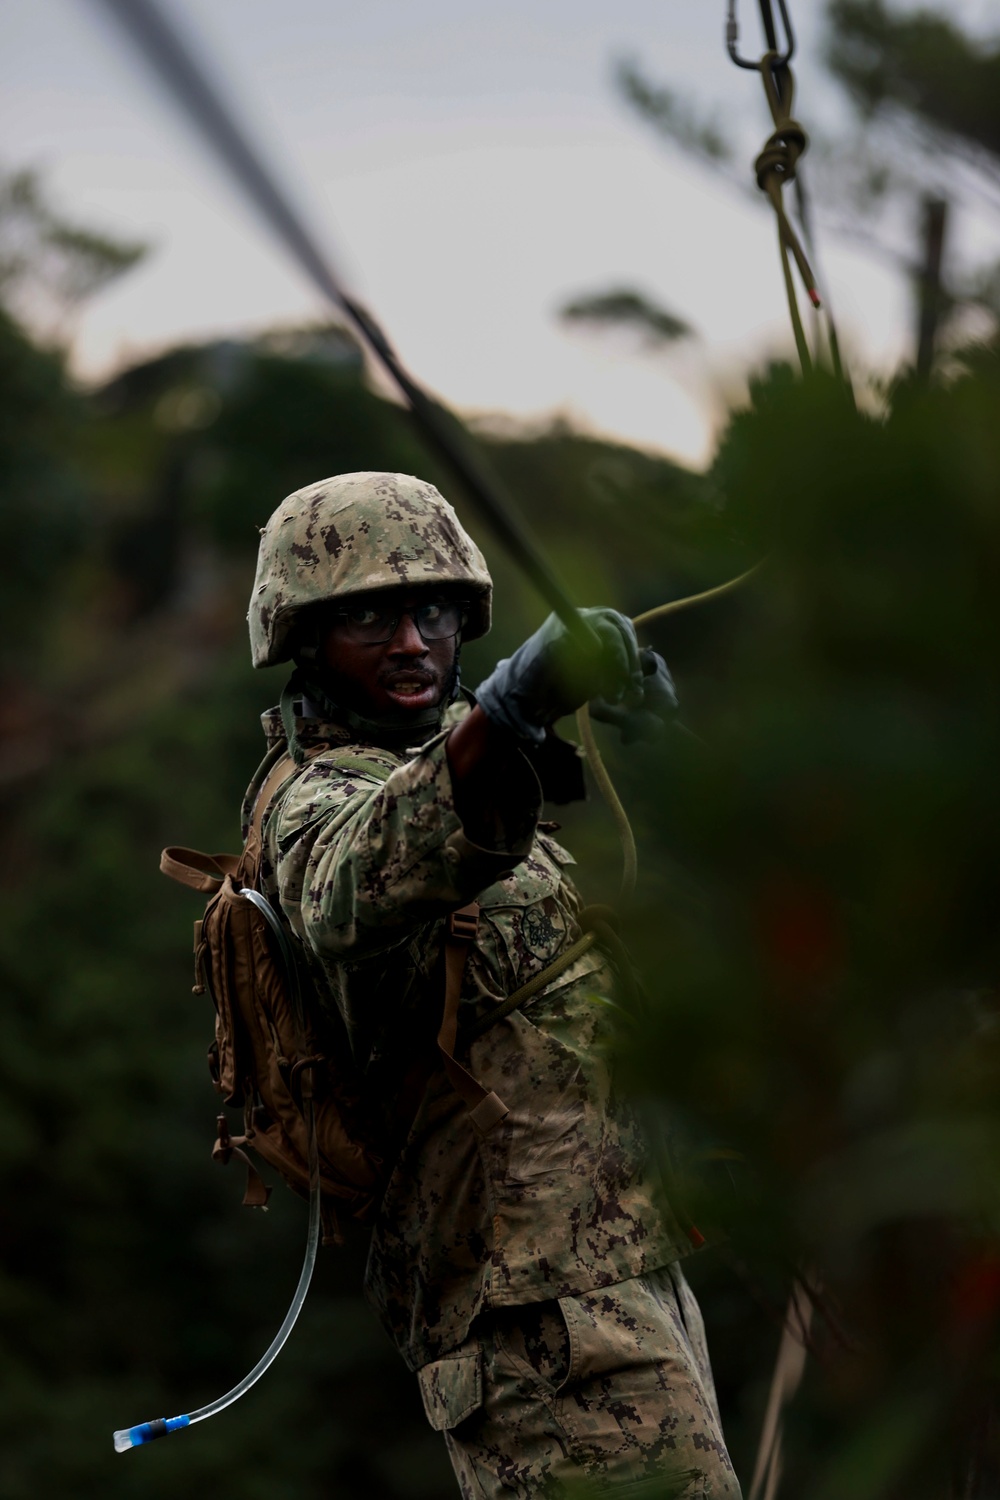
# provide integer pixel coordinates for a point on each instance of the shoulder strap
(206, 872)
(275, 779)
(282, 772)
(285, 766)
(348, 762)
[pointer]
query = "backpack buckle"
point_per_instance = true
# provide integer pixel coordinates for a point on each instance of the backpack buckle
(463, 925)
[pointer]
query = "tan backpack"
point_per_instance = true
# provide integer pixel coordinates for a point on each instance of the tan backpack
(266, 1057)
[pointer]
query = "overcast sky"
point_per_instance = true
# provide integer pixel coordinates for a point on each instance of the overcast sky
(471, 165)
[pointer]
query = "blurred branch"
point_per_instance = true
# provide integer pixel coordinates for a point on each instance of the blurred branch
(48, 265)
(922, 63)
(983, 289)
(626, 308)
(672, 116)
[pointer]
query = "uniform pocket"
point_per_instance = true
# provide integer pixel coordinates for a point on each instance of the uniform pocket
(536, 1340)
(452, 1388)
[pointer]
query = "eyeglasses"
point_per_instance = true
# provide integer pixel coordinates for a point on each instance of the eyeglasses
(367, 625)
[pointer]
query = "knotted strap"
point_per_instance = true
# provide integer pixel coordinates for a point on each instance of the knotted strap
(226, 1147)
(201, 872)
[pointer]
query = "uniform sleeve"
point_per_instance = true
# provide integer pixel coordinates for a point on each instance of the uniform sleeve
(360, 866)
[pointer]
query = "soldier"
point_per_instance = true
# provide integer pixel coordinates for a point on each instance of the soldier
(521, 1259)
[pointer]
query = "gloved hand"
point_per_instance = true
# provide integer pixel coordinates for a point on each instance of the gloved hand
(552, 674)
(649, 719)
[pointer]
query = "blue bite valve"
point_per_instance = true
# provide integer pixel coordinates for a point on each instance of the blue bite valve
(134, 1437)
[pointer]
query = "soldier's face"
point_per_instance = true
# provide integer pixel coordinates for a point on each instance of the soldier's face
(403, 675)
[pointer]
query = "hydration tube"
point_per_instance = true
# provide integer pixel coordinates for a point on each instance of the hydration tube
(147, 1432)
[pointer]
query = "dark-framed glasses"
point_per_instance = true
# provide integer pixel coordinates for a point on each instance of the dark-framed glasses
(368, 625)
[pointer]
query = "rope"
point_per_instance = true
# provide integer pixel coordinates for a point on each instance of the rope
(606, 787)
(774, 168)
(662, 610)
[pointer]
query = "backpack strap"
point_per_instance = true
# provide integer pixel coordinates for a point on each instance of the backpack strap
(281, 772)
(275, 779)
(206, 872)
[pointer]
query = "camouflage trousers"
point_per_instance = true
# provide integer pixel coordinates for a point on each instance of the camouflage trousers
(607, 1391)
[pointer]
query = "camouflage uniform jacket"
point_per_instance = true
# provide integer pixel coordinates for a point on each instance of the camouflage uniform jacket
(554, 1200)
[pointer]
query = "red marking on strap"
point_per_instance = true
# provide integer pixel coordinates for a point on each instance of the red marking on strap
(814, 297)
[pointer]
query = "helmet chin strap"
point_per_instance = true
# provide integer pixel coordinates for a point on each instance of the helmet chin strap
(310, 687)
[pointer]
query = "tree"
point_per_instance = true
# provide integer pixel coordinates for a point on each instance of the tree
(49, 266)
(926, 99)
(924, 67)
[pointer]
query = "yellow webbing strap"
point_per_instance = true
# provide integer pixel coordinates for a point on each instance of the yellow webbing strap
(534, 986)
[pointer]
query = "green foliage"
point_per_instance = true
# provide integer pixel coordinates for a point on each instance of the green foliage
(821, 934)
(42, 518)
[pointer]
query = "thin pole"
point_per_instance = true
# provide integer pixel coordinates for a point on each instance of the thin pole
(930, 288)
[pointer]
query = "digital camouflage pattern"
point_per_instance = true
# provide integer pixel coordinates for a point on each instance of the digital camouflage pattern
(555, 1200)
(352, 534)
(606, 1391)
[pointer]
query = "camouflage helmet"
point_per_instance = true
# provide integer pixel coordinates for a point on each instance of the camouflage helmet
(350, 535)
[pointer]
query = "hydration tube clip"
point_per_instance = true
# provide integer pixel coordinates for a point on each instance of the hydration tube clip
(146, 1432)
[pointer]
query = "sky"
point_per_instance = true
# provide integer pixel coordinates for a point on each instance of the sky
(472, 167)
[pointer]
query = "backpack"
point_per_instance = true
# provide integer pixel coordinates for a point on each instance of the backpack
(266, 1057)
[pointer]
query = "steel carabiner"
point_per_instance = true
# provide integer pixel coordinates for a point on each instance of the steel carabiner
(779, 59)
